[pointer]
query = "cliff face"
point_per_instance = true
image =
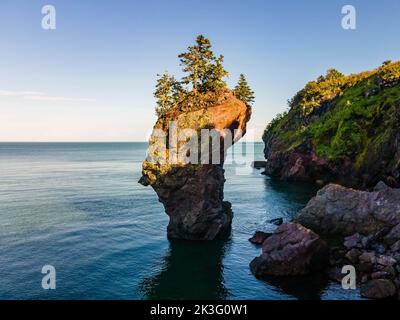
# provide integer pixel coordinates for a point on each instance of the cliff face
(342, 129)
(192, 191)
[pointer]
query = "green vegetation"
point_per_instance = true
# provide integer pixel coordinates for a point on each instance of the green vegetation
(243, 91)
(350, 116)
(202, 83)
(204, 71)
(168, 92)
(201, 87)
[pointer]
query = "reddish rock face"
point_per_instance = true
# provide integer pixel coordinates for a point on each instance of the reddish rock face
(291, 250)
(192, 194)
(302, 164)
(259, 237)
(337, 210)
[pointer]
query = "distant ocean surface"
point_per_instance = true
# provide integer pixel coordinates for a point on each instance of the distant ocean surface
(78, 207)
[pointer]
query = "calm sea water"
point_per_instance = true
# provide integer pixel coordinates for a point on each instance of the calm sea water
(78, 207)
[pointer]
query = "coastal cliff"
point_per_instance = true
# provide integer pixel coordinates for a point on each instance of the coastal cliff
(345, 130)
(341, 129)
(192, 194)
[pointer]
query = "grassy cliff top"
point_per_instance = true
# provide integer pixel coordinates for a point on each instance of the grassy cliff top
(342, 116)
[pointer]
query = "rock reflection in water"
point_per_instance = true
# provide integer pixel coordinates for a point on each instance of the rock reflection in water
(310, 287)
(191, 270)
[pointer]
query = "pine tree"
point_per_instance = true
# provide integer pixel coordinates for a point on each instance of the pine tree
(243, 91)
(168, 92)
(178, 92)
(205, 71)
(213, 78)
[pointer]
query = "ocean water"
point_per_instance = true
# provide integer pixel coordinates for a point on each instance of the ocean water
(79, 208)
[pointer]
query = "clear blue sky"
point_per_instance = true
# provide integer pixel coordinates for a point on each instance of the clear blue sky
(93, 77)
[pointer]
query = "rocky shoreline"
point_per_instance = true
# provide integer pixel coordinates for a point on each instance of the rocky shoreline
(341, 129)
(339, 227)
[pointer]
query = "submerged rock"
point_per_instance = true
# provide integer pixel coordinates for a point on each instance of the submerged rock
(276, 221)
(192, 193)
(291, 250)
(337, 210)
(259, 237)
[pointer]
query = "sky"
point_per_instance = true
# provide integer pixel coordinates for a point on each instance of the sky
(93, 77)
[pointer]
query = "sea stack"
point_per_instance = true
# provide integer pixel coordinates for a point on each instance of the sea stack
(189, 185)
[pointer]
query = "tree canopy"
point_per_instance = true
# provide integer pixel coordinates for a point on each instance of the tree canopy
(167, 93)
(204, 72)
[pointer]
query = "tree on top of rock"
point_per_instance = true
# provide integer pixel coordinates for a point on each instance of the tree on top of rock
(213, 78)
(243, 91)
(204, 74)
(168, 93)
(205, 71)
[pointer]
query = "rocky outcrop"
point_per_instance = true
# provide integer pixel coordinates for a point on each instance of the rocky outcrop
(291, 250)
(190, 185)
(375, 259)
(368, 224)
(361, 229)
(340, 129)
(378, 289)
(259, 237)
(301, 164)
(340, 211)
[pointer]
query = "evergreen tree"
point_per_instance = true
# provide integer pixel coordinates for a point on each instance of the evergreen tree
(213, 78)
(243, 91)
(178, 92)
(168, 91)
(205, 71)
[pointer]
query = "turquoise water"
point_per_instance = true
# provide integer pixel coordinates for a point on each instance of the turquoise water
(78, 207)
